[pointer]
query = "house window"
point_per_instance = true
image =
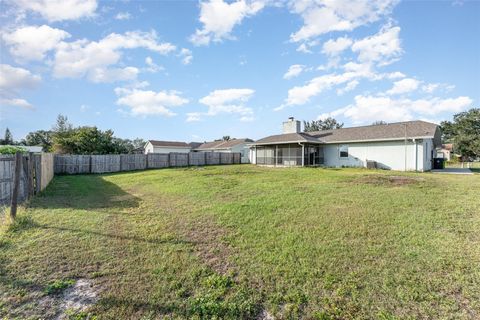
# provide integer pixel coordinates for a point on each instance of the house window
(343, 151)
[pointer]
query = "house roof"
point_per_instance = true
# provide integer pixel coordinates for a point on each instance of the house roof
(195, 145)
(287, 138)
(221, 144)
(382, 132)
(390, 131)
(158, 143)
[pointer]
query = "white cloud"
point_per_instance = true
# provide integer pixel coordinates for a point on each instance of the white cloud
(219, 18)
(304, 48)
(98, 75)
(334, 47)
(381, 48)
(12, 81)
(186, 56)
(349, 87)
(15, 102)
(300, 95)
(59, 10)
(404, 86)
(147, 102)
(294, 71)
(323, 16)
(32, 42)
(227, 101)
(82, 57)
(12, 78)
(431, 87)
(152, 66)
(123, 16)
(371, 108)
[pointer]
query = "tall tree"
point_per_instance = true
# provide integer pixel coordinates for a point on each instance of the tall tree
(39, 138)
(226, 138)
(318, 125)
(378, 122)
(8, 138)
(464, 133)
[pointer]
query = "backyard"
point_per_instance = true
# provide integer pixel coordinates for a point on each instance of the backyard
(248, 242)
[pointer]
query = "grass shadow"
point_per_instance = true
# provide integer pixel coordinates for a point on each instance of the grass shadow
(83, 192)
(168, 240)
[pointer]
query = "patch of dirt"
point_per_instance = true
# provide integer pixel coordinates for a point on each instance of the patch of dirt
(388, 180)
(78, 298)
(265, 315)
(209, 243)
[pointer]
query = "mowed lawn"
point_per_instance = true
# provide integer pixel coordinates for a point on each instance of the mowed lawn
(234, 242)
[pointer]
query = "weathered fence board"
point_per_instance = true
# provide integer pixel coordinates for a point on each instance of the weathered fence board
(130, 162)
(73, 164)
(105, 163)
(35, 174)
(157, 160)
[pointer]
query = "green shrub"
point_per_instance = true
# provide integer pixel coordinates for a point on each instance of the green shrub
(11, 149)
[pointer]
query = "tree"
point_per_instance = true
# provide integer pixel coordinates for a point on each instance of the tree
(318, 125)
(378, 122)
(39, 138)
(226, 138)
(8, 138)
(464, 133)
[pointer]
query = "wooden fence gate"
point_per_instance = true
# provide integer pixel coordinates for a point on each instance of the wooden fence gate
(36, 172)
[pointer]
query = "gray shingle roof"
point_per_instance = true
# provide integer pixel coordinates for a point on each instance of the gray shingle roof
(287, 138)
(383, 132)
(158, 143)
(222, 144)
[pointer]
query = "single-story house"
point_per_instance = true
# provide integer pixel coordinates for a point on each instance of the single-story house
(155, 146)
(232, 145)
(402, 146)
(446, 151)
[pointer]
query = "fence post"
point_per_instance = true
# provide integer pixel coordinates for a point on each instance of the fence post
(30, 174)
(38, 172)
(188, 159)
(16, 185)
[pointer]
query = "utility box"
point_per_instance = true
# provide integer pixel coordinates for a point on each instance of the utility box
(438, 163)
(371, 164)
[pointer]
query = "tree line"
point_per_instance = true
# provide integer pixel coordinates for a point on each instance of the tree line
(67, 139)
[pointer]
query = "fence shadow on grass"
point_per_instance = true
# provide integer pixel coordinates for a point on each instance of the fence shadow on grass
(83, 192)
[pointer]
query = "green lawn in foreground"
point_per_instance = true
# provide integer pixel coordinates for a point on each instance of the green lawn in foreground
(236, 241)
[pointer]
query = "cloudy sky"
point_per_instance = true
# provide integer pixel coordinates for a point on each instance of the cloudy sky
(195, 71)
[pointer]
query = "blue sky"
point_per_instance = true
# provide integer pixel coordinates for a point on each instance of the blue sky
(195, 71)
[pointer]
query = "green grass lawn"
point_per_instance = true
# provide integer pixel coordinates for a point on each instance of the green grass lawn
(236, 242)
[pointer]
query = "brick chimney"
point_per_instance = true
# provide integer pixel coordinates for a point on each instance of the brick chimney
(291, 126)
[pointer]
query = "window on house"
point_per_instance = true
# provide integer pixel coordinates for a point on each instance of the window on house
(343, 151)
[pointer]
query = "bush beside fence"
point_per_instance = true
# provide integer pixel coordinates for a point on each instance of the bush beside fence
(74, 164)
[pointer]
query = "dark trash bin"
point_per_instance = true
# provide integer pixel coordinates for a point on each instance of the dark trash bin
(438, 163)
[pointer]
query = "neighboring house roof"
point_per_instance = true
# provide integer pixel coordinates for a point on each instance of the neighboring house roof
(157, 143)
(447, 146)
(221, 144)
(194, 145)
(382, 132)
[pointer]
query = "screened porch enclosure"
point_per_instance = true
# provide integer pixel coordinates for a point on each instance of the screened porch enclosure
(289, 155)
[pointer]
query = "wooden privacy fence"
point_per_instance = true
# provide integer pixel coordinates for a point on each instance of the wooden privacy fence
(74, 164)
(36, 172)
